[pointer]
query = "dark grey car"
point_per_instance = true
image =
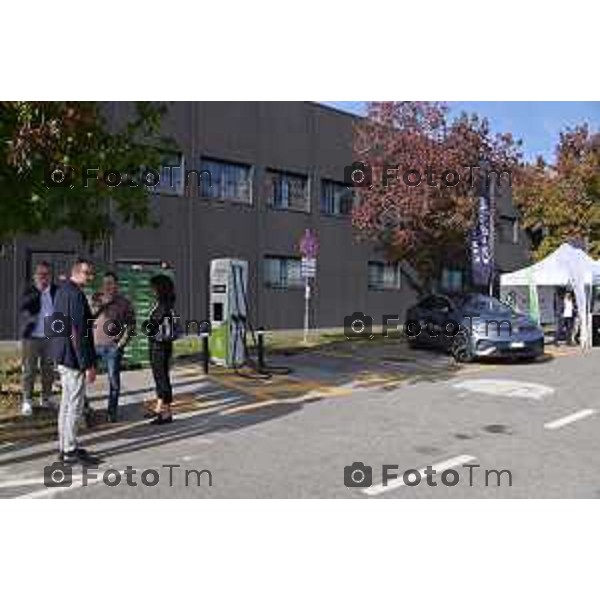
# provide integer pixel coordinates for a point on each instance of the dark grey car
(472, 326)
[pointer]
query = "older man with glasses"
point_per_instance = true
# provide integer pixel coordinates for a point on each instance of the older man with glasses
(37, 303)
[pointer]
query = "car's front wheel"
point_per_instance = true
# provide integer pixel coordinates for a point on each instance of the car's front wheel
(461, 349)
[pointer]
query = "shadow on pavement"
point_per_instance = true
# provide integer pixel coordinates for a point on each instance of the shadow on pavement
(144, 435)
(136, 440)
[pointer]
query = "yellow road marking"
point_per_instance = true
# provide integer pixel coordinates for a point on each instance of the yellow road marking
(248, 407)
(476, 368)
(561, 352)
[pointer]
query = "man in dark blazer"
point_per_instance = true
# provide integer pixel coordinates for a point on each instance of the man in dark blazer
(71, 332)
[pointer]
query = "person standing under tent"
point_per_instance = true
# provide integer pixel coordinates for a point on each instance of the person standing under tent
(568, 317)
(558, 310)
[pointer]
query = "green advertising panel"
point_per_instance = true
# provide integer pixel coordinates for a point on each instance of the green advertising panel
(134, 280)
(134, 284)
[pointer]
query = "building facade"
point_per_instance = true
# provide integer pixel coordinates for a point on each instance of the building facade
(277, 169)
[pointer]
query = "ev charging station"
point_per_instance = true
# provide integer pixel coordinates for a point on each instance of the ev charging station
(228, 310)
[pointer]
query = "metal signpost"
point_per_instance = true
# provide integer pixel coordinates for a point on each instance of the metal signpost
(309, 248)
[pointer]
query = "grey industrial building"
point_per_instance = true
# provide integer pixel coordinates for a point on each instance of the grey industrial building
(277, 168)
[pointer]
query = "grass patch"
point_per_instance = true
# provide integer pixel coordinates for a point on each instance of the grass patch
(10, 370)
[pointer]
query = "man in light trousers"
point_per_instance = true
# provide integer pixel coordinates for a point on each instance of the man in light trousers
(71, 331)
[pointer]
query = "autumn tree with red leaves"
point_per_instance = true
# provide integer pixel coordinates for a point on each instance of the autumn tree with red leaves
(561, 202)
(426, 225)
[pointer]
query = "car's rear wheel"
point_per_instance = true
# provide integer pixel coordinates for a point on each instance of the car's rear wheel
(461, 349)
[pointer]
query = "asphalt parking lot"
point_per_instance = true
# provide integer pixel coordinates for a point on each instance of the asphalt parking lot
(530, 427)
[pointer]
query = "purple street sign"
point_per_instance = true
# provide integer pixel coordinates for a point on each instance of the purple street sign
(309, 244)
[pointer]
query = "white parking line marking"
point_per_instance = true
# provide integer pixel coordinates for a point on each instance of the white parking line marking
(577, 416)
(44, 493)
(457, 461)
(24, 481)
(76, 484)
(50, 492)
(505, 387)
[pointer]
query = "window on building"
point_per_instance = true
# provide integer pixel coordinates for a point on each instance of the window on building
(384, 276)
(336, 198)
(452, 280)
(171, 173)
(282, 272)
(287, 191)
(227, 181)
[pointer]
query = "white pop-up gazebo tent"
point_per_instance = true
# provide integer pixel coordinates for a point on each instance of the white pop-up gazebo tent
(566, 266)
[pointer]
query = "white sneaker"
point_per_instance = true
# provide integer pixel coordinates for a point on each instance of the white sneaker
(26, 409)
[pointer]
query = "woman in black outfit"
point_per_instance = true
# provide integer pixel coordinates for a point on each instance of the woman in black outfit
(161, 346)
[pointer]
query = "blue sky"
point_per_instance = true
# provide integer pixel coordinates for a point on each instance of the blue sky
(538, 124)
